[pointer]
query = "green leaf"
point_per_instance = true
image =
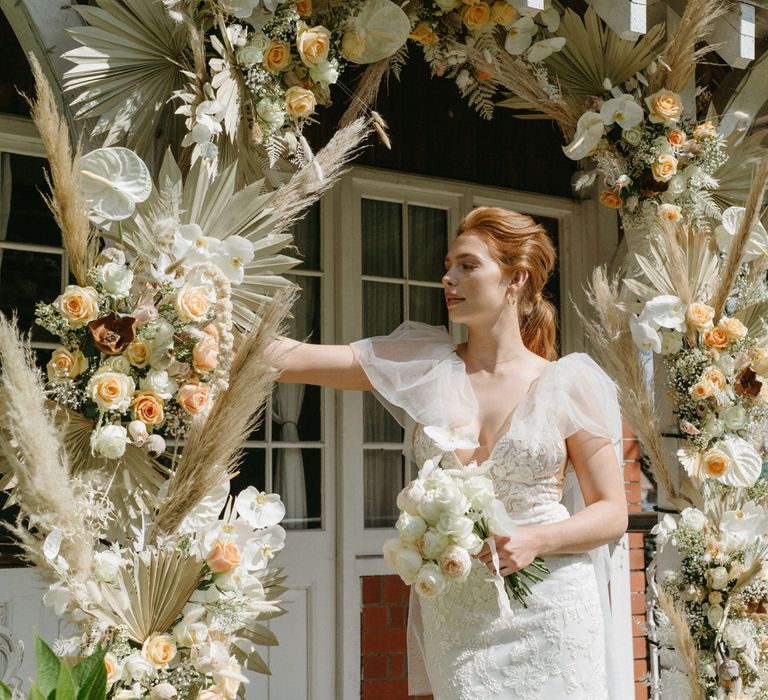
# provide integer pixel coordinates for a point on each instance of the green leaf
(65, 687)
(47, 664)
(91, 677)
(84, 668)
(35, 694)
(5, 692)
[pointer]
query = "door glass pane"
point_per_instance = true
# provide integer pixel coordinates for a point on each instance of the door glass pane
(382, 308)
(306, 237)
(384, 478)
(252, 471)
(427, 242)
(378, 424)
(382, 238)
(427, 304)
(297, 477)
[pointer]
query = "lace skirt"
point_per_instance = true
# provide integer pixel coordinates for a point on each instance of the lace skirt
(552, 650)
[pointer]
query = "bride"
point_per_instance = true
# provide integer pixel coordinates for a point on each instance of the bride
(534, 421)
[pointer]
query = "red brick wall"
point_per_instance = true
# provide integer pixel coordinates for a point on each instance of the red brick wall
(385, 610)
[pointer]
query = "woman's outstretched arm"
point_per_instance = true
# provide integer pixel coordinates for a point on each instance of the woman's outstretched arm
(333, 366)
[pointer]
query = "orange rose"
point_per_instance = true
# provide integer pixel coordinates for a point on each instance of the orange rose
(705, 130)
(224, 556)
(137, 353)
(78, 305)
(423, 33)
(701, 390)
(700, 315)
(716, 338)
(611, 199)
(66, 364)
(483, 75)
(205, 356)
(148, 408)
(716, 463)
(664, 106)
(300, 102)
(476, 17)
(732, 327)
(159, 649)
(503, 13)
(669, 212)
(278, 57)
(664, 168)
(313, 44)
(304, 8)
(193, 397)
(676, 137)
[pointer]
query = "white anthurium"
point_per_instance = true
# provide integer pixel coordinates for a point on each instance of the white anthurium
(551, 18)
(193, 246)
(113, 181)
(259, 509)
(757, 244)
(645, 336)
(589, 131)
(622, 110)
(205, 512)
(234, 253)
(664, 311)
(448, 439)
(382, 27)
(262, 547)
(520, 36)
(741, 528)
(544, 48)
(746, 462)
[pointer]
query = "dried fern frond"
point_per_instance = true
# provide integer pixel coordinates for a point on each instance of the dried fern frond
(66, 200)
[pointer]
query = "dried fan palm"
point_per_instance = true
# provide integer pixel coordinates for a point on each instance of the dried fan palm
(66, 201)
(594, 53)
(149, 595)
(735, 176)
(48, 498)
(213, 447)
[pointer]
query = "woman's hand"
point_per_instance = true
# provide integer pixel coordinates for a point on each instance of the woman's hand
(515, 553)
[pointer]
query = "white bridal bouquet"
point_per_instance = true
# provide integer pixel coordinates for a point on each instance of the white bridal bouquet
(446, 516)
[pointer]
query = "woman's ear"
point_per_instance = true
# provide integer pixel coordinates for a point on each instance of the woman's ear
(519, 278)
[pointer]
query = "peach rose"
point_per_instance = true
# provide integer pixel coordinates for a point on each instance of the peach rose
(193, 303)
(705, 130)
(300, 102)
(664, 167)
(664, 106)
(700, 315)
(159, 649)
(148, 408)
(715, 377)
(211, 693)
(611, 199)
(503, 13)
(701, 390)
(716, 338)
(676, 137)
(483, 75)
(113, 668)
(193, 397)
(137, 353)
(224, 556)
(211, 330)
(78, 305)
(66, 364)
(669, 212)
(423, 33)
(111, 391)
(476, 17)
(205, 356)
(732, 327)
(304, 8)
(716, 463)
(277, 57)
(313, 44)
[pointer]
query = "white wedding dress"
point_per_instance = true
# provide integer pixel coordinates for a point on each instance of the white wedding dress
(460, 645)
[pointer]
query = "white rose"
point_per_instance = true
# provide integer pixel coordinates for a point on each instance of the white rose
(671, 342)
(694, 518)
(411, 527)
(456, 527)
(260, 41)
(411, 497)
(718, 578)
(447, 5)
(455, 562)
(114, 668)
(713, 425)
(430, 581)
(325, 72)
(432, 544)
(408, 563)
(106, 565)
(734, 635)
(116, 363)
(137, 668)
(115, 278)
(109, 441)
(446, 497)
(677, 184)
(158, 381)
(715, 615)
(472, 543)
(193, 633)
(735, 417)
(163, 691)
(632, 136)
(137, 429)
(270, 113)
(479, 492)
(212, 657)
(249, 55)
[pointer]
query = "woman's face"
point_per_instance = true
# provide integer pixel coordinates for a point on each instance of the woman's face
(474, 283)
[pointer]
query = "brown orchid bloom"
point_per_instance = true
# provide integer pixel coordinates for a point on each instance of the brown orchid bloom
(747, 383)
(113, 333)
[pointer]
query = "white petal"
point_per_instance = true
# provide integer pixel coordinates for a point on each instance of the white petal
(114, 180)
(545, 48)
(589, 131)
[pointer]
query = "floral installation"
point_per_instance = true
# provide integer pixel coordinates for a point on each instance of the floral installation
(446, 517)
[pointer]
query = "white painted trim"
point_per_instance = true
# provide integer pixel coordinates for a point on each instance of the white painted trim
(628, 18)
(733, 35)
(19, 135)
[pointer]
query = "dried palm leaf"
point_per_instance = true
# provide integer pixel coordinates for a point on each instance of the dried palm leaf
(735, 176)
(128, 65)
(594, 53)
(740, 240)
(213, 447)
(150, 594)
(66, 201)
(679, 57)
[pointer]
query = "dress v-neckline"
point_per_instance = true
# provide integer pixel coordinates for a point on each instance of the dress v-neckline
(507, 424)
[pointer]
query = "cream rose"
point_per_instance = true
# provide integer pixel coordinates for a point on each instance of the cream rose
(503, 13)
(701, 390)
(277, 57)
(664, 106)
(163, 691)
(194, 303)
(193, 397)
(138, 352)
(676, 137)
(113, 667)
(424, 34)
(716, 463)
(299, 102)
(159, 649)
(705, 130)
(211, 693)
(430, 581)
(111, 391)
(66, 364)
(148, 408)
(669, 212)
(304, 8)
(109, 441)
(718, 578)
(78, 305)
(313, 44)
(664, 167)
(352, 45)
(159, 382)
(700, 315)
(476, 17)
(715, 377)
(455, 563)
(224, 556)
(205, 356)
(732, 327)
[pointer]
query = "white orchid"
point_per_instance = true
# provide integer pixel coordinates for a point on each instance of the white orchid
(233, 254)
(622, 110)
(741, 528)
(757, 244)
(664, 311)
(520, 36)
(645, 336)
(205, 512)
(551, 19)
(663, 530)
(114, 181)
(262, 547)
(193, 246)
(544, 48)
(589, 131)
(259, 509)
